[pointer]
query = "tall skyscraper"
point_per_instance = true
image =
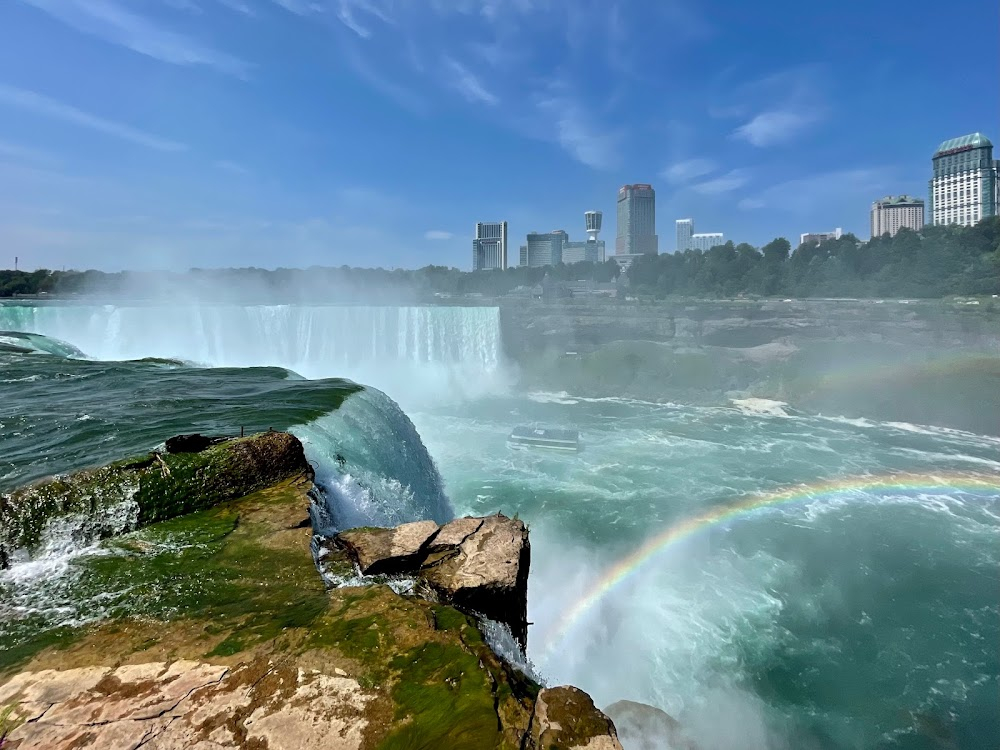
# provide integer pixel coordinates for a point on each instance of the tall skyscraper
(890, 214)
(963, 189)
(685, 228)
(489, 248)
(636, 221)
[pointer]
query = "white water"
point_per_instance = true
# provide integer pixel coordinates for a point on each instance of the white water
(415, 354)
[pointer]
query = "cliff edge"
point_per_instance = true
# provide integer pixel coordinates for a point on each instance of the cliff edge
(219, 633)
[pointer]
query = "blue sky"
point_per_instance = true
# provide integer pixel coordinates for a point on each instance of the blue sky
(178, 133)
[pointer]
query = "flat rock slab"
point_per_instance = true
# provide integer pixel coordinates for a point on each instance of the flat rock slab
(388, 551)
(186, 705)
(477, 564)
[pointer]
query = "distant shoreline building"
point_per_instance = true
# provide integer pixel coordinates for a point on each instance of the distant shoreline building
(489, 248)
(821, 237)
(892, 213)
(636, 221)
(964, 188)
(553, 248)
(688, 239)
(706, 240)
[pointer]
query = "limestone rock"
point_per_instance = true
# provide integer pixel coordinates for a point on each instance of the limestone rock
(565, 717)
(479, 565)
(388, 551)
(644, 727)
(487, 573)
(186, 704)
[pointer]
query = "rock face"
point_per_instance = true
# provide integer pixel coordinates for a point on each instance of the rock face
(477, 564)
(565, 718)
(220, 634)
(139, 491)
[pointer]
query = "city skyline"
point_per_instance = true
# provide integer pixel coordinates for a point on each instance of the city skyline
(179, 133)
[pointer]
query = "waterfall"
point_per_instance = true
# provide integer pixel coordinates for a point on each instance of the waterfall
(401, 350)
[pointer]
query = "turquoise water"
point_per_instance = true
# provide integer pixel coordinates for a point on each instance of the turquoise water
(863, 619)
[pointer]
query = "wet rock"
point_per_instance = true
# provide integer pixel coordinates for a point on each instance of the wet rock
(479, 565)
(565, 717)
(99, 503)
(194, 443)
(486, 572)
(388, 551)
(644, 727)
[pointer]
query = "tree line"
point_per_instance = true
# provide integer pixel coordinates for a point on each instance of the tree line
(935, 262)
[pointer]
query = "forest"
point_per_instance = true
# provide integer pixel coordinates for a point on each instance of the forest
(935, 262)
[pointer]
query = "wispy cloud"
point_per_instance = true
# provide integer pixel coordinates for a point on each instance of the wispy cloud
(39, 104)
(726, 183)
(575, 131)
(777, 126)
(117, 24)
(467, 84)
(232, 167)
(803, 194)
(684, 171)
(438, 234)
(21, 153)
(405, 96)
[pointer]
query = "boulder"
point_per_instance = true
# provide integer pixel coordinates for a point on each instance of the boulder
(194, 443)
(389, 551)
(644, 727)
(486, 572)
(565, 717)
(479, 565)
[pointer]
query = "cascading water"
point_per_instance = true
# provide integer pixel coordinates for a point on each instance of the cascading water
(412, 353)
(373, 467)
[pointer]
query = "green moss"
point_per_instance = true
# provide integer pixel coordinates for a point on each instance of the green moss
(443, 699)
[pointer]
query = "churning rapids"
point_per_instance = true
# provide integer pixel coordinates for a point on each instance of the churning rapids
(769, 578)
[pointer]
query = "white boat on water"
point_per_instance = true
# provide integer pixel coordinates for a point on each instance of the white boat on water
(544, 437)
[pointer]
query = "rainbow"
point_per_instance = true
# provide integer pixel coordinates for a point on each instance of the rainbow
(820, 491)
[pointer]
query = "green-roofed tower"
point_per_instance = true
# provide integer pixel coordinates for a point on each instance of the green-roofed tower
(964, 187)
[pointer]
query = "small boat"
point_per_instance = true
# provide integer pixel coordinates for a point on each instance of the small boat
(544, 437)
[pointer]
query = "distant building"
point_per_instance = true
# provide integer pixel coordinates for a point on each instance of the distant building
(593, 221)
(890, 214)
(577, 252)
(706, 240)
(685, 228)
(821, 237)
(636, 221)
(964, 188)
(489, 248)
(544, 249)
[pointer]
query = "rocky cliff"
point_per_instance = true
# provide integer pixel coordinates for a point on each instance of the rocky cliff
(220, 633)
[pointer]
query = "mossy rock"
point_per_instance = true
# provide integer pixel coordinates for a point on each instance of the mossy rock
(146, 489)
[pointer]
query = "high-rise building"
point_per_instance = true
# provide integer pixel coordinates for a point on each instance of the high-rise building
(964, 188)
(577, 252)
(821, 237)
(892, 213)
(685, 228)
(544, 249)
(706, 240)
(636, 221)
(489, 248)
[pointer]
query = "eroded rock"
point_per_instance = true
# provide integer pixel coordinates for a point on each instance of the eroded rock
(389, 551)
(479, 565)
(187, 704)
(565, 717)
